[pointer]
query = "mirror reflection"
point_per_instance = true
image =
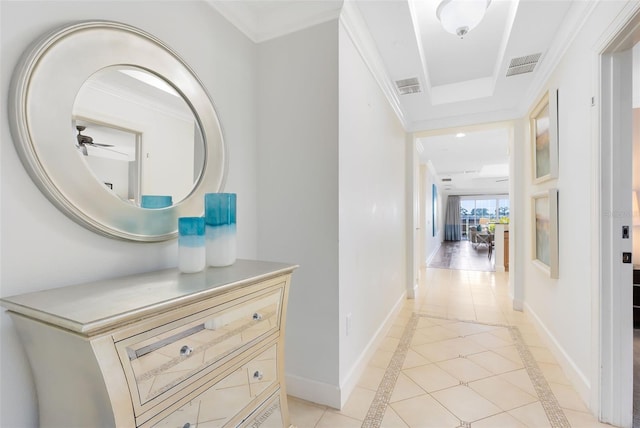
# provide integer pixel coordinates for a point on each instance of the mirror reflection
(137, 135)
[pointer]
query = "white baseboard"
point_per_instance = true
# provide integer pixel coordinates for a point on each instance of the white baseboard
(517, 305)
(574, 374)
(332, 395)
(313, 391)
(433, 253)
(359, 367)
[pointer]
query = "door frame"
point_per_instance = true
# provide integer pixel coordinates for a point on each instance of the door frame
(612, 392)
(417, 193)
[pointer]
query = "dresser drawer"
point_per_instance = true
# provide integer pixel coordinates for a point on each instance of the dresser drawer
(229, 397)
(163, 360)
(268, 415)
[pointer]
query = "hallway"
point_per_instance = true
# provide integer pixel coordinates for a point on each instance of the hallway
(463, 255)
(457, 374)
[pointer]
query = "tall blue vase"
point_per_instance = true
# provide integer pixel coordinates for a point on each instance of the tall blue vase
(191, 244)
(220, 219)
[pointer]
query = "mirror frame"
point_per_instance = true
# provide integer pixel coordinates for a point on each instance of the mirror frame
(40, 114)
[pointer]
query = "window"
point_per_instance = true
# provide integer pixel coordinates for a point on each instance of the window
(473, 208)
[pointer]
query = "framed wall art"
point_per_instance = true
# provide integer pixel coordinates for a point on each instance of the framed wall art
(544, 138)
(544, 207)
(434, 210)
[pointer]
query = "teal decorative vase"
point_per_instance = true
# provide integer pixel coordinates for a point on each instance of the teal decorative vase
(220, 219)
(156, 201)
(191, 244)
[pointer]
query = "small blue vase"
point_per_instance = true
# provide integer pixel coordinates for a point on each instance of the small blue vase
(220, 229)
(191, 244)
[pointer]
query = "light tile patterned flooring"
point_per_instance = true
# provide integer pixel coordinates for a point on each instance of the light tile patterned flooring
(437, 388)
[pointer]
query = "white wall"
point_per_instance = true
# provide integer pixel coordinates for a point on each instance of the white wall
(518, 216)
(331, 198)
(40, 247)
(563, 307)
(298, 195)
(372, 207)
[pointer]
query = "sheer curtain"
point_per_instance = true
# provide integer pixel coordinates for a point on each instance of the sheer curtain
(452, 224)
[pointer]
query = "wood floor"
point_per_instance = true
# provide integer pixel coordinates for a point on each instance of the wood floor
(463, 255)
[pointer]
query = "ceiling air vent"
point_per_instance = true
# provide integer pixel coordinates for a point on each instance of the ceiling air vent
(523, 64)
(408, 86)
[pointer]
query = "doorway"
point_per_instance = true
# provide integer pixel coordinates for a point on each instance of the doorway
(614, 292)
(475, 163)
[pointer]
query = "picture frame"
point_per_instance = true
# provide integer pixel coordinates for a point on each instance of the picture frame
(545, 229)
(434, 210)
(544, 138)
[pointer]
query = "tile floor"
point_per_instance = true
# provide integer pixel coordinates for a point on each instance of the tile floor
(463, 255)
(438, 388)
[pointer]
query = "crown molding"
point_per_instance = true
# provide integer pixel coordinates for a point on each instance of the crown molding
(239, 15)
(274, 19)
(356, 28)
(574, 20)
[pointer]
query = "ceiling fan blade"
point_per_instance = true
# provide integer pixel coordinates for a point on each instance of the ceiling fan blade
(111, 150)
(86, 139)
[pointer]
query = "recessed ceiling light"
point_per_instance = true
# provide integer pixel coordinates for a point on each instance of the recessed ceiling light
(460, 135)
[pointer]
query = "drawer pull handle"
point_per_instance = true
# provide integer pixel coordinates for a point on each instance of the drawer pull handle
(257, 375)
(185, 351)
(137, 353)
(257, 316)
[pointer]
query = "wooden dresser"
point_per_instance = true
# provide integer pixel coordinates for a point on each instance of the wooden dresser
(160, 349)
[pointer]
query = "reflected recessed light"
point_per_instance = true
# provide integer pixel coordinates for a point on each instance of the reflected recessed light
(460, 135)
(151, 80)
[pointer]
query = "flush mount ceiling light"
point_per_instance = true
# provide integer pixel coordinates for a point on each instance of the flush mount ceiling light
(461, 16)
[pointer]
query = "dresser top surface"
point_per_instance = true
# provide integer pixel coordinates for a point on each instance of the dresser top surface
(94, 306)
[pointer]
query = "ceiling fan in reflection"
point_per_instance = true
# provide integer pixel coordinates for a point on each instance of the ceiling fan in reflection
(85, 140)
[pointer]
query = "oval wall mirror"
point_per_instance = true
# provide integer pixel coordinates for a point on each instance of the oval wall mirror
(132, 127)
(103, 115)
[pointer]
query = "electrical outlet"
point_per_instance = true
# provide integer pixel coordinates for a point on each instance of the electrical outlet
(348, 324)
